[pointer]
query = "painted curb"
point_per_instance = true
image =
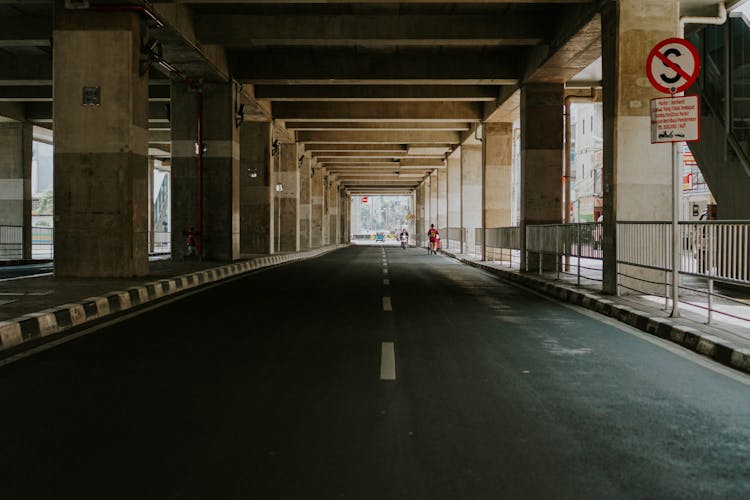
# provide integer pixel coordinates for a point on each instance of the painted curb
(719, 350)
(33, 326)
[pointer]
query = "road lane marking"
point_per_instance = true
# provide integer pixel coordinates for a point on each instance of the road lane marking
(387, 362)
(386, 281)
(387, 304)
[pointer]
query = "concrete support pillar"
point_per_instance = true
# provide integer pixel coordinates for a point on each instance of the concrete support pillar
(287, 200)
(453, 174)
(317, 207)
(217, 215)
(326, 221)
(636, 173)
(433, 185)
(471, 192)
(305, 205)
(15, 180)
(334, 235)
(256, 188)
(346, 219)
(355, 216)
(541, 163)
(442, 210)
(101, 145)
(427, 206)
(497, 156)
(421, 225)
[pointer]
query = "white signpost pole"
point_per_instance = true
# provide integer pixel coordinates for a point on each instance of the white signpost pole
(676, 201)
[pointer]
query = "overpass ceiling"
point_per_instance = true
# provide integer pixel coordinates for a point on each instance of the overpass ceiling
(378, 92)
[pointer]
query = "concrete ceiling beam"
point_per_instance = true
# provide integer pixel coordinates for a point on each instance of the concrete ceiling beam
(25, 31)
(388, 148)
(370, 30)
(26, 70)
(458, 126)
(378, 111)
(316, 66)
(356, 2)
(365, 154)
(373, 162)
(43, 93)
(386, 137)
(377, 93)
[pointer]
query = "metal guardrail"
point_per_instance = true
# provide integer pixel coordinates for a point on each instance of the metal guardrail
(710, 250)
(453, 238)
(11, 242)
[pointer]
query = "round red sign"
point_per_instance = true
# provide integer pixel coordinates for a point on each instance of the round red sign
(672, 65)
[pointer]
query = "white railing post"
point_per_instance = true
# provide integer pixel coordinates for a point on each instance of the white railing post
(557, 252)
(578, 237)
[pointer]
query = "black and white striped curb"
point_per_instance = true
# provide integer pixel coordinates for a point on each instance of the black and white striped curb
(34, 326)
(719, 350)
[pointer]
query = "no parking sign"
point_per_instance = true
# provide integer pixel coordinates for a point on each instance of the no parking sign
(672, 65)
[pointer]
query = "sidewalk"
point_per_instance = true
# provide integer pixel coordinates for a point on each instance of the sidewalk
(32, 309)
(726, 341)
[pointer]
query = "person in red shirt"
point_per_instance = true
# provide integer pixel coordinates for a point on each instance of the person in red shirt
(433, 234)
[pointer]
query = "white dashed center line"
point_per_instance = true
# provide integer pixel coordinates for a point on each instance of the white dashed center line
(387, 362)
(386, 281)
(387, 304)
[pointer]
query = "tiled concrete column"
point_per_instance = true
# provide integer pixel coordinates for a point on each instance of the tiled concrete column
(541, 163)
(288, 199)
(326, 221)
(346, 219)
(442, 218)
(334, 235)
(637, 174)
(15, 180)
(497, 155)
(421, 225)
(453, 173)
(220, 204)
(256, 188)
(101, 148)
(471, 192)
(305, 205)
(317, 207)
(433, 185)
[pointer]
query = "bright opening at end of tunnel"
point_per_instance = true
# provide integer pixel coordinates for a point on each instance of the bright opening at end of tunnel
(380, 219)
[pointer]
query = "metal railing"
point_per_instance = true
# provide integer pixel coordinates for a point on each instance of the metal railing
(714, 251)
(11, 243)
(503, 244)
(579, 241)
(453, 237)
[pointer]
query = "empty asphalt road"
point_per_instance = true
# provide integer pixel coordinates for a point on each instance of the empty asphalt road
(371, 373)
